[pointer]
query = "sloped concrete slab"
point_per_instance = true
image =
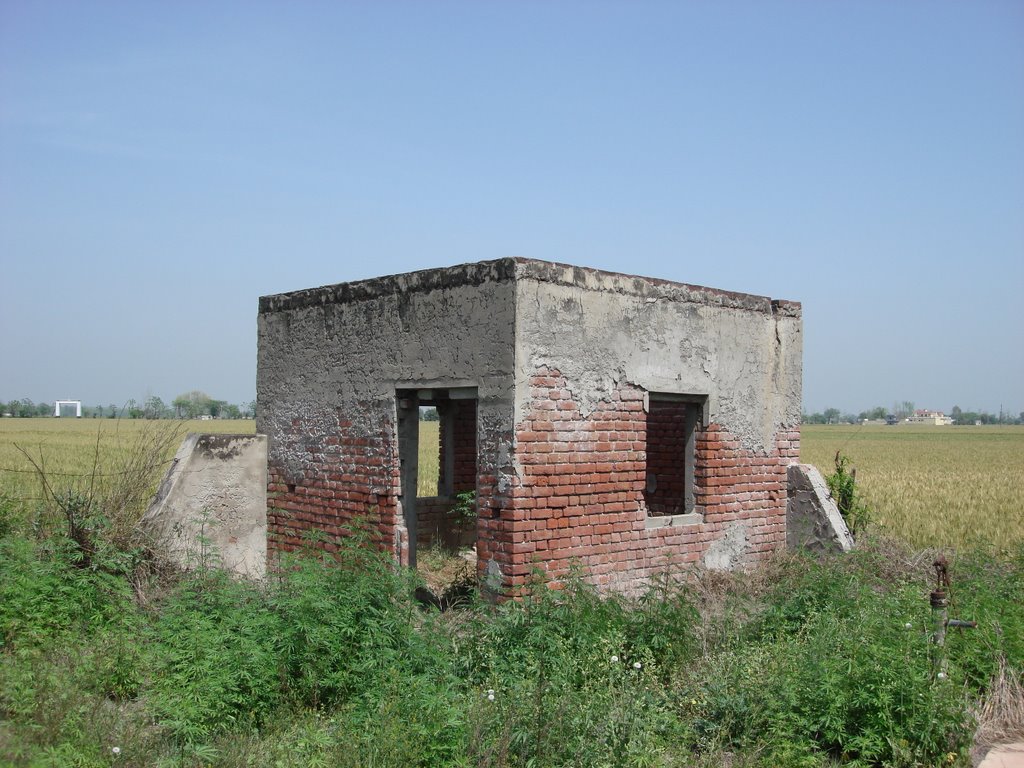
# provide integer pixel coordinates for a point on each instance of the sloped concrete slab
(211, 507)
(1004, 756)
(813, 520)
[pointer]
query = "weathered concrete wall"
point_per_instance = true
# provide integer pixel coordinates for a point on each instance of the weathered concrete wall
(564, 361)
(330, 361)
(211, 506)
(813, 520)
(590, 347)
(600, 329)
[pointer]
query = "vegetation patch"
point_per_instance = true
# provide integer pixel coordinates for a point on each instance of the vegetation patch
(932, 486)
(806, 661)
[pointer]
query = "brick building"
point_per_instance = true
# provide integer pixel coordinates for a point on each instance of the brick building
(629, 424)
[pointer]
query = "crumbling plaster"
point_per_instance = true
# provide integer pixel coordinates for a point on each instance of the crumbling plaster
(212, 504)
(599, 329)
(331, 359)
(342, 351)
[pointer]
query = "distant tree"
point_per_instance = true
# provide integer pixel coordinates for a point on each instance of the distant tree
(44, 409)
(216, 407)
(113, 411)
(155, 408)
(957, 415)
(831, 415)
(231, 411)
(191, 405)
(249, 411)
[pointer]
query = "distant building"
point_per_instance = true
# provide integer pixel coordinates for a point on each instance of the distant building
(935, 418)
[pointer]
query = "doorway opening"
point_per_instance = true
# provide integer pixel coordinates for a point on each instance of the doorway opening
(437, 448)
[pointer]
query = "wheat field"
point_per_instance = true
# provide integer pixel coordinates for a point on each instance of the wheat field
(932, 486)
(73, 452)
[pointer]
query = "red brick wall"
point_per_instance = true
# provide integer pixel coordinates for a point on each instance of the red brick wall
(346, 474)
(431, 516)
(464, 437)
(572, 488)
(581, 491)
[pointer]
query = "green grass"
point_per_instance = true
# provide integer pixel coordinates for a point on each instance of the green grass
(802, 662)
(805, 662)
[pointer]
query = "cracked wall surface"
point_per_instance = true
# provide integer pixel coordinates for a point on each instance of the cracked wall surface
(564, 360)
(601, 329)
(211, 505)
(329, 363)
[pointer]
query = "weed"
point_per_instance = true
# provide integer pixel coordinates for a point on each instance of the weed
(842, 484)
(464, 511)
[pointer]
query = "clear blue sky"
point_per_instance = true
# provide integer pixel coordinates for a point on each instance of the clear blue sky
(162, 165)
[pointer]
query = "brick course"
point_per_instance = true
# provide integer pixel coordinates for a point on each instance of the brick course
(345, 476)
(581, 495)
(563, 433)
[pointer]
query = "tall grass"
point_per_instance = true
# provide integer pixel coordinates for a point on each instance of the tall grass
(73, 450)
(933, 486)
(803, 662)
(429, 459)
(331, 662)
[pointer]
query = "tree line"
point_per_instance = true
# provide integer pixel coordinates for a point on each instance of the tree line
(189, 405)
(902, 410)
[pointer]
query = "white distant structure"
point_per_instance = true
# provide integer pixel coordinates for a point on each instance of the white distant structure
(76, 403)
(938, 418)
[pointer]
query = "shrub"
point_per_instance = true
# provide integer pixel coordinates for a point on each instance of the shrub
(842, 484)
(560, 669)
(45, 595)
(345, 619)
(214, 658)
(835, 666)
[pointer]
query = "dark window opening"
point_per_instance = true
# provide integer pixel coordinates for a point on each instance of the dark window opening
(672, 425)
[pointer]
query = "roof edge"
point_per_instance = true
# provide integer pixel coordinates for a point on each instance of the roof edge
(519, 268)
(474, 273)
(650, 287)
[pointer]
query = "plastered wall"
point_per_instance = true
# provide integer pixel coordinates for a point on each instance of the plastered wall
(564, 361)
(590, 348)
(211, 507)
(330, 362)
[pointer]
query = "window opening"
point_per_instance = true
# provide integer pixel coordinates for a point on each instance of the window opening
(672, 425)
